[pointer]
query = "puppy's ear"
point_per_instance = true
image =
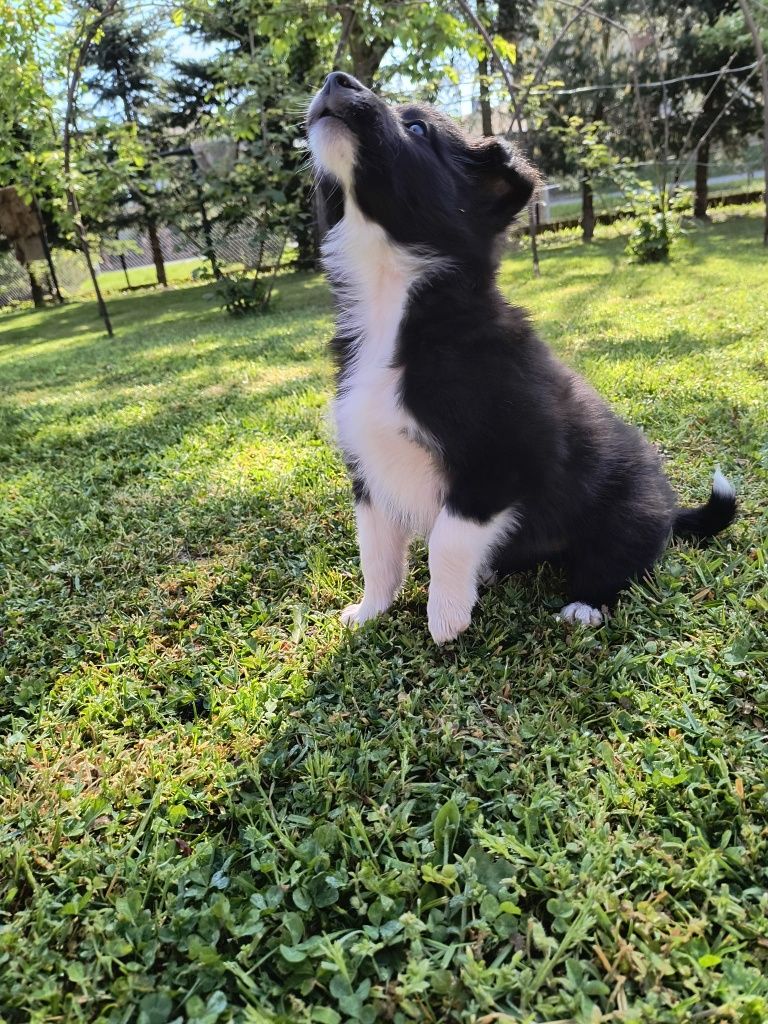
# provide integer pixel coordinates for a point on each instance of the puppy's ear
(506, 178)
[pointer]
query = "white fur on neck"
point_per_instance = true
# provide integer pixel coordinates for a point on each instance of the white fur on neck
(374, 278)
(333, 147)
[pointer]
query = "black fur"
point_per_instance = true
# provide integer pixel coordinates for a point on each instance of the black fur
(514, 426)
(706, 520)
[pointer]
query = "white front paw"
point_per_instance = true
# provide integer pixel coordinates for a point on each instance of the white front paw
(580, 612)
(357, 614)
(447, 618)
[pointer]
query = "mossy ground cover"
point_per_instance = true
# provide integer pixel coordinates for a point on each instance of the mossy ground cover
(217, 805)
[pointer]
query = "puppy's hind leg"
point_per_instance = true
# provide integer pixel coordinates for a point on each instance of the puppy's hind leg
(603, 566)
(593, 585)
(383, 546)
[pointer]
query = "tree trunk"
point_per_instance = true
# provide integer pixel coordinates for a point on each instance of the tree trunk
(38, 295)
(508, 20)
(55, 290)
(307, 253)
(157, 252)
(83, 239)
(210, 251)
(305, 231)
(483, 68)
(587, 209)
(485, 101)
(702, 171)
(366, 54)
(534, 243)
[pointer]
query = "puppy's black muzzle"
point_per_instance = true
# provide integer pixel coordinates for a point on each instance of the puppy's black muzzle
(338, 92)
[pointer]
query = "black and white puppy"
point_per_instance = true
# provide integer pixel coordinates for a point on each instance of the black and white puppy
(456, 422)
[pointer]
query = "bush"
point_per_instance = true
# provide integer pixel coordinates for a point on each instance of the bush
(240, 294)
(658, 222)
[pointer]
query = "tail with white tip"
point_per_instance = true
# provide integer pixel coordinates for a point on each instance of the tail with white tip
(709, 519)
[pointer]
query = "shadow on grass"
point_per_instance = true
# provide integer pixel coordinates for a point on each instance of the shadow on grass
(179, 418)
(137, 360)
(672, 346)
(75, 317)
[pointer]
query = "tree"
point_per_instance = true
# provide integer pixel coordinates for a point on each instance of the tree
(251, 89)
(707, 44)
(121, 72)
(30, 157)
(591, 126)
(412, 37)
(757, 42)
(257, 85)
(83, 32)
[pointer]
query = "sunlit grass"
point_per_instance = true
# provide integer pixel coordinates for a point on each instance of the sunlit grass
(218, 806)
(176, 271)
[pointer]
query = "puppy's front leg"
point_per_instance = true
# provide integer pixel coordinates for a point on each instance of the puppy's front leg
(458, 550)
(383, 557)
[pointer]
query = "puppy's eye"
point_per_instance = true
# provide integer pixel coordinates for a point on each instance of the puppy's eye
(417, 127)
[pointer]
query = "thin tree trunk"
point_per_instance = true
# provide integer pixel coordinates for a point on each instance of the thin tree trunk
(587, 209)
(38, 295)
(348, 15)
(55, 290)
(73, 80)
(84, 248)
(760, 53)
(157, 252)
(124, 265)
(485, 100)
(307, 253)
(533, 236)
(483, 66)
(270, 286)
(210, 251)
(366, 50)
(701, 198)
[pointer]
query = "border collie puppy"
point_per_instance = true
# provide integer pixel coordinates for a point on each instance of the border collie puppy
(455, 421)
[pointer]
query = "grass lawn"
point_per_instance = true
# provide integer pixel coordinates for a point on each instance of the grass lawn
(176, 271)
(216, 805)
(607, 202)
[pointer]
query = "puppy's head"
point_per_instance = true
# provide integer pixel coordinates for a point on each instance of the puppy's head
(412, 171)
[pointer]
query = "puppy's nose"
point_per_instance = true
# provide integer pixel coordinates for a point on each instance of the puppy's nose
(337, 84)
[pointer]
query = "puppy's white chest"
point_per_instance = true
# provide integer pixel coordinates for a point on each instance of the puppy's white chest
(387, 448)
(378, 436)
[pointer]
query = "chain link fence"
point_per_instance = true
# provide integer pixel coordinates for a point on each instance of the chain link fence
(242, 245)
(14, 280)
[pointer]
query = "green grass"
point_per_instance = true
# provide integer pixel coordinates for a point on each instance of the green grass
(608, 202)
(176, 272)
(217, 805)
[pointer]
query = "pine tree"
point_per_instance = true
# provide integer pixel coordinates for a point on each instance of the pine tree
(122, 74)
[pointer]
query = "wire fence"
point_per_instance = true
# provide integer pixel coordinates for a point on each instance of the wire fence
(131, 251)
(128, 260)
